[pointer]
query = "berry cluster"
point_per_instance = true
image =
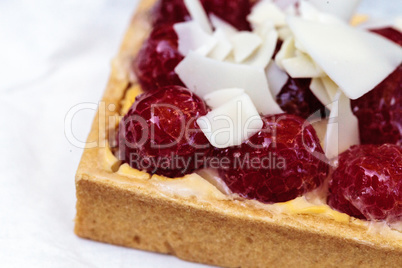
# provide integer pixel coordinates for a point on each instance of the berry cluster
(160, 134)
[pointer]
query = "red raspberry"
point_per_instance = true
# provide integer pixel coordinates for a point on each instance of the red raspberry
(390, 33)
(160, 134)
(380, 112)
(232, 11)
(368, 183)
(296, 98)
(155, 63)
(169, 12)
(277, 48)
(276, 164)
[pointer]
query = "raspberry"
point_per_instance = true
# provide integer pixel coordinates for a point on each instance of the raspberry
(276, 164)
(380, 112)
(277, 48)
(296, 98)
(232, 11)
(390, 33)
(155, 63)
(160, 134)
(368, 183)
(170, 12)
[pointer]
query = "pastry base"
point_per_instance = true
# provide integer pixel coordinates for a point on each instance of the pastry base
(133, 213)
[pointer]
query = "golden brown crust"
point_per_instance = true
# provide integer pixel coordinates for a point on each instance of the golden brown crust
(115, 209)
(129, 218)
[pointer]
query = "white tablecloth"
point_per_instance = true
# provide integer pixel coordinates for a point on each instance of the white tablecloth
(54, 55)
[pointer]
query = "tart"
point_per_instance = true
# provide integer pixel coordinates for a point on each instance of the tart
(295, 198)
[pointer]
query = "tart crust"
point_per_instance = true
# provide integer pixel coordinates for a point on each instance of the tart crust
(119, 210)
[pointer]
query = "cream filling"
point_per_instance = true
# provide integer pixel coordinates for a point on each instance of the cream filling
(190, 186)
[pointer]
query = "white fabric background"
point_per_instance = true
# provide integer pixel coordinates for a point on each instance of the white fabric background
(54, 55)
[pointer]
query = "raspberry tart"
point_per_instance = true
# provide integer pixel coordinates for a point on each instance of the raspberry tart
(250, 134)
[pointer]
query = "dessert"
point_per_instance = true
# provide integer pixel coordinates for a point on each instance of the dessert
(219, 142)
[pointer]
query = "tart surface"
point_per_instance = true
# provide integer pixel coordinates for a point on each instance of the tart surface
(136, 210)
